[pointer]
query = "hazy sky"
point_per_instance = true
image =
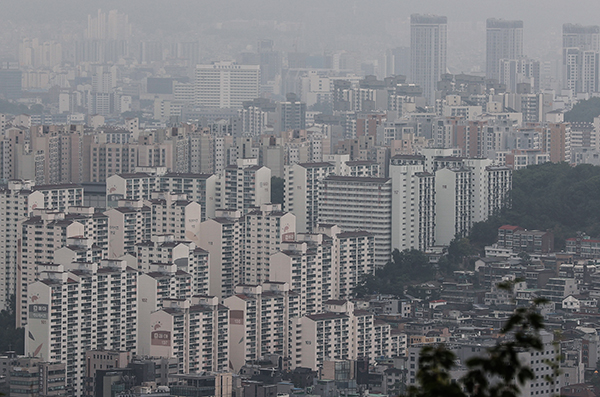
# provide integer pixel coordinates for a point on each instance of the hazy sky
(362, 25)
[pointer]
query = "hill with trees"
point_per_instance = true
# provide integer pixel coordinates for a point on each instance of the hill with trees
(555, 197)
(584, 111)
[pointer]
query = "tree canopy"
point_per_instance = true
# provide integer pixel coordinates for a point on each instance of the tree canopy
(584, 111)
(554, 197)
(7, 107)
(11, 338)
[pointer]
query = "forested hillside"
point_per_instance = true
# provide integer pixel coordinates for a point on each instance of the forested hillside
(555, 197)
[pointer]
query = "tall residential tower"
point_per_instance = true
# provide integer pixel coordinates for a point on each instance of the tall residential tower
(504, 41)
(428, 34)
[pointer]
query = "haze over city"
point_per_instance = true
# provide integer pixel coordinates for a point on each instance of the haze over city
(326, 198)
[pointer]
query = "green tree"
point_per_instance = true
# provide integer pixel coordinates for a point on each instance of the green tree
(11, 338)
(277, 186)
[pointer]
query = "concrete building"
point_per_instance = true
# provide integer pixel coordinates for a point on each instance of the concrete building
(100, 360)
(61, 324)
(243, 186)
(140, 186)
(581, 45)
(303, 185)
(176, 215)
(223, 238)
(17, 200)
(453, 199)
(291, 114)
(260, 321)
(504, 41)
(302, 264)
(226, 84)
(352, 258)
(33, 377)
(413, 203)
(130, 224)
(264, 231)
(342, 332)
(195, 331)
(360, 203)
(428, 35)
(47, 236)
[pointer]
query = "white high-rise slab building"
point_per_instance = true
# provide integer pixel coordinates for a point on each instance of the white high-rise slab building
(360, 204)
(413, 203)
(226, 84)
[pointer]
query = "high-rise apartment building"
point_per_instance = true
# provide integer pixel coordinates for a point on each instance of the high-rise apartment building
(226, 84)
(428, 36)
(223, 238)
(413, 203)
(195, 331)
(243, 186)
(130, 224)
(581, 45)
(302, 264)
(302, 189)
(260, 321)
(43, 234)
(17, 200)
(291, 114)
(63, 323)
(360, 204)
(264, 231)
(453, 199)
(504, 41)
(351, 259)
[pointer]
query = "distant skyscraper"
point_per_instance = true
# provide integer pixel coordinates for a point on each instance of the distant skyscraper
(504, 41)
(428, 34)
(581, 45)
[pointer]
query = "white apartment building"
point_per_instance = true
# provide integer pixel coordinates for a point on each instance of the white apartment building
(223, 238)
(140, 186)
(17, 200)
(163, 281)
(260, 321)
(489, 186)
(174, 214)
(195, 331)
(302, 265)
(61, 197)
(226, 84)
(352, 258)
(165, 250)
(129, 224)
(41, 235)
(85, 307)
(264, 231)
(341, 333)
(360, 203)
(302, 191)
(254, 120)
(453, 199)
(243, 186)
(413, 203)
